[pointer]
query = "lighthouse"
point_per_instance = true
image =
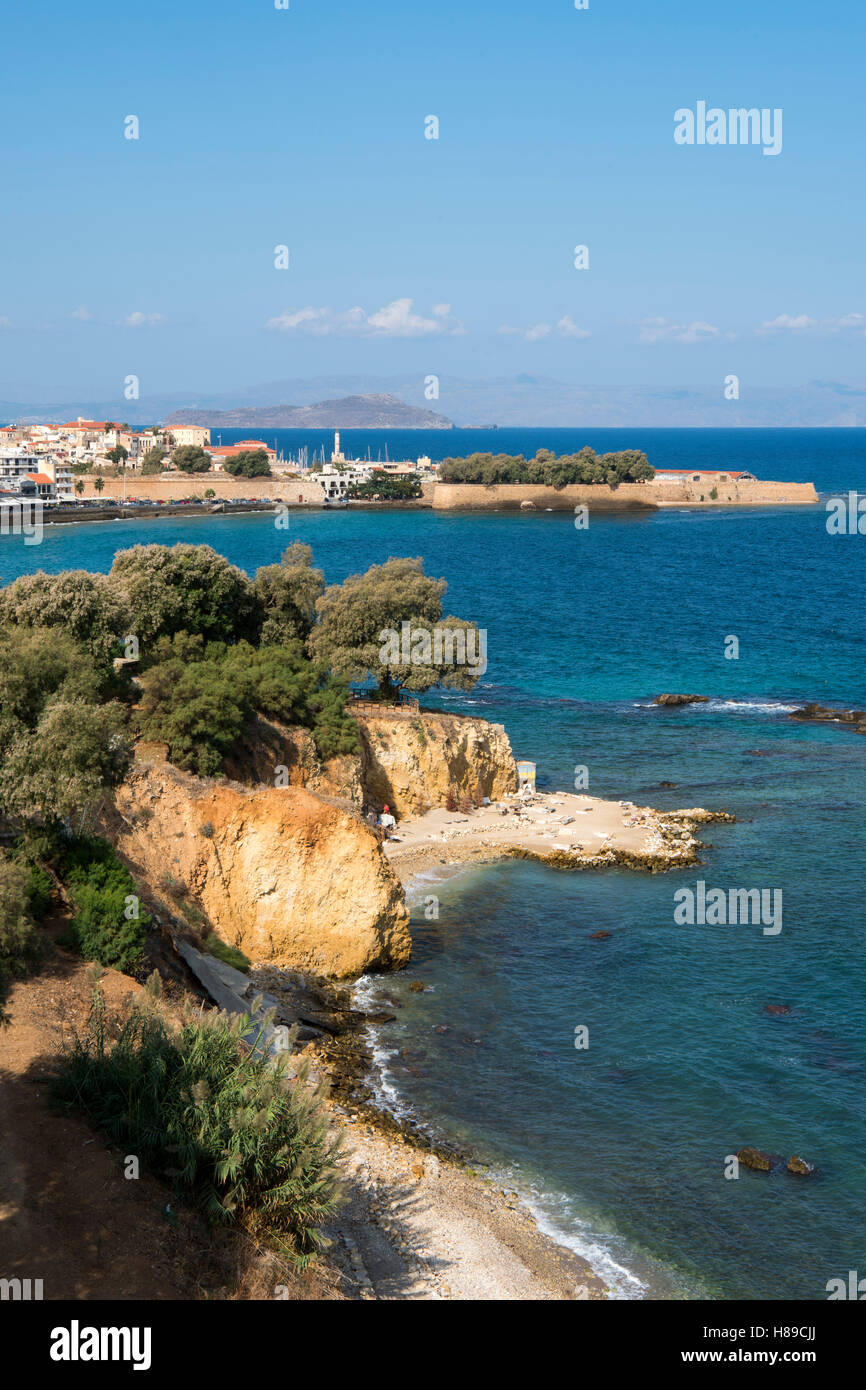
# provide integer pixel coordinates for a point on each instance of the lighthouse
(336, 456)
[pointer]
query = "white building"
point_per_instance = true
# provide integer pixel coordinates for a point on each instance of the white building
(16, 461)
(197, 435)
(336, 481)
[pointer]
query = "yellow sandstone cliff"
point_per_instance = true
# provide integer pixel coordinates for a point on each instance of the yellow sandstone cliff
(280, 873)
(409, 760)
(417, 761)
(278, 854)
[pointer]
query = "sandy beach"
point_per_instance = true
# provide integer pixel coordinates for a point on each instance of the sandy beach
(557, 827)
(418, 1227)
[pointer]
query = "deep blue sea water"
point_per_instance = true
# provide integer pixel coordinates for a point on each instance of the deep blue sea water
(623, 1146)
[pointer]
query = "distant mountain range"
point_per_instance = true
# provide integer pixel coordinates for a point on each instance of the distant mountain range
(356, 401)
(380, 411)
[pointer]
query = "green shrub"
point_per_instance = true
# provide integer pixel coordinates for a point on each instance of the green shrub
(40, 891)
(230, 955)
(194, 915)
(19, 943)
(100, 888)
(197, 699)
(195, 709)
(233, 1131)
(252, 463)
(29, 852)
(386, 486)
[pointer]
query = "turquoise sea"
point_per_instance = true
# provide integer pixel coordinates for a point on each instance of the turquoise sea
(622, 1147)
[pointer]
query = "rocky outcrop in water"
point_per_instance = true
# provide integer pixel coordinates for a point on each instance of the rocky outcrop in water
(823, 714)
(799, 1167)
(674, 700)
(753, 1158)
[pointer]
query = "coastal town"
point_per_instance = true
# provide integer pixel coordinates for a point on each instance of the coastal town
(112, 462)
(86, 463)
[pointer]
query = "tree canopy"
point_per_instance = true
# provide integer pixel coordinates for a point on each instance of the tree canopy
(387, 625)
(252, 463)
(630, 465)
(60, 743)
(153, 461)
(384, 485)
(183, 588)
(190, 458)
(214, 650)
(287, 593)
(87, 607)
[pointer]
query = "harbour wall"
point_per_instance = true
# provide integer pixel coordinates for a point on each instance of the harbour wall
(627, 497)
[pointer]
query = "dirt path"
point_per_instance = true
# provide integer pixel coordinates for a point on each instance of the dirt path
(68, 1215)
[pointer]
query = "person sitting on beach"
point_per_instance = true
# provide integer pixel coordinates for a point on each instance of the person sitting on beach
(386, 822)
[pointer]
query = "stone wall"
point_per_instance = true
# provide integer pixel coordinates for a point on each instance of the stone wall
(627, 497)
(748, 494)
(172, 486)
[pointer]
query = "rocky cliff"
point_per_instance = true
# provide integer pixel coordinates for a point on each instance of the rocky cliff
(413, 762)
(282, 874)
(410, 760)
(278, 855)
(271, 754)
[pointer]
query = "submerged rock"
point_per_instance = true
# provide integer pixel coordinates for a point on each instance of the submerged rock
(599, 935)
(753, 1158)
(777, 1009)
(799, 1166)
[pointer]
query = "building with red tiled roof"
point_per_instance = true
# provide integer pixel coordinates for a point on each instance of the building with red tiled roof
(44, 484)
(230, 451)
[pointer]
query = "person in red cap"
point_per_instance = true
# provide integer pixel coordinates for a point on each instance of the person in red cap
(386, 822)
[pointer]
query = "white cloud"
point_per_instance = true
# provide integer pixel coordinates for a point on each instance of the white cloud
(4, 322)
(569, 329)
(139, 320)
(563, 328)
(81, 313)
(801, 323)
(661, 330)
(854, 321)
(394, 320)
(788, 323)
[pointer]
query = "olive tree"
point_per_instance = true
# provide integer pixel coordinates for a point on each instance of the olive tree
(183, 588)
(287, 593)
(387, 625)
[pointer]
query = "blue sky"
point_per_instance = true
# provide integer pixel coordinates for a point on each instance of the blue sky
(305, 127)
